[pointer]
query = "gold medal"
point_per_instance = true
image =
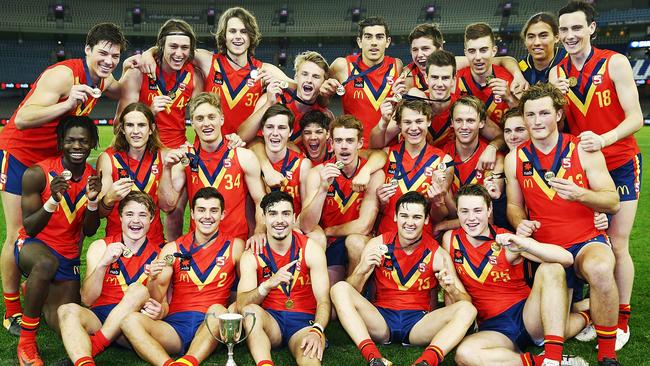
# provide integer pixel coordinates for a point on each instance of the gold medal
(394, 182)
(288, 304)
(383, 248)
(488, 78)
(96, 93)
(185, 161)
(442, 167)
(169, 259)
(284, 84)
(495, 246)
(127, 253)
(549, 175)
(573, 81)
(254, 74)
(397, 97)
(339, 165)
(66, 174)
(340, 90)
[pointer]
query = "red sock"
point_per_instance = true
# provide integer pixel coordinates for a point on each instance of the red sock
(369, 349)
(433, 355)
(28, 329)
(606, 341)
(265, 363)
(168, 362)
(187, 360)
(586, 315)
(12, 304)
(527, 359)
(624, 311)
(98, 343)
(85, 361)
(553, 347)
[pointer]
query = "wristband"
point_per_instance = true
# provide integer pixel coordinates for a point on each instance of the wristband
(93, 205)
(106, 206)
(317, 331)
(262, 291)
(319, 327)
(50, 205)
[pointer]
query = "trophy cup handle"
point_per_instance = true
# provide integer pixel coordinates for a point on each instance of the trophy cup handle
(244, 322)
(207, 324)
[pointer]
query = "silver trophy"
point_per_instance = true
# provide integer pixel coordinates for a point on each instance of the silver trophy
(229, 331)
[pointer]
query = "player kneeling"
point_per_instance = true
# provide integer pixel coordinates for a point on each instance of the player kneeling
(407, 266)
(200, 267)
(113, 286)
(511, 316)
(286, 287)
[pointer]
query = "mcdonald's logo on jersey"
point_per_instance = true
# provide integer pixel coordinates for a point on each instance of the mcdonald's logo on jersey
(358, 94)
(623, 190)
(528, 183)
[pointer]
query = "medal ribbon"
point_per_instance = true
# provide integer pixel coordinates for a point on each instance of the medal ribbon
(404, 279)
(160, 82)
(569, 66)
(295, 97)
(195, 248)
(400, 167)
(493, 234)
(415, 97)
(250, 67)
(132, 175)
(283, 169)
(355, 67)
(556, 159)
(270, 261)
(89, 81)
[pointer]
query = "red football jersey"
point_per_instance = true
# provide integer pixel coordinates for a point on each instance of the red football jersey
(465, 172)
(179, 86)
(32, 145)
(543, 202)
(221, 169)
(238, 91)
(146, 177)
(594, 105)
(414, 173)
(440, 129)
(342, 204)
(300, 291)
(494, 106)
(364, 95)
(290, 102)
(405, 281)
(63, 230)
(202, 275)
(494, 284)
(418, 79)
(290, 168)
(125, 271)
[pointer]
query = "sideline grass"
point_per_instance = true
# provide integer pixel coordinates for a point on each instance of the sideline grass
(341, 349)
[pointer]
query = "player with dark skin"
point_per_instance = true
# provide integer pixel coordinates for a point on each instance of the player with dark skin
(37, 258)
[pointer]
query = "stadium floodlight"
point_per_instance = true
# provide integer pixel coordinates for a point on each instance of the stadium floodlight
(59, 11)
(506, 9)
(356, 15)
(137, 15)
(430, 11)
(283, 15)
(211, 17)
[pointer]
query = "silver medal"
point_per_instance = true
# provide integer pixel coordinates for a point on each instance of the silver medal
(66, 174)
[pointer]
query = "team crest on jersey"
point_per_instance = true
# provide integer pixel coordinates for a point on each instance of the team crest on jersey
(154, 169)
(114, 269)
(152, 84)
(221, 261)
(289, 175)
(266, 272)
(218, 78)
(122, 173)
(527, 169)
(428, 171)
(422, 267)
(227, 163)
(330, 191)
(184, 264)
(182, 87)
(458, 256)
(391, 167)
(492, 259)
(358, 83)
(598, 79)
(388, 264)
(566, 163)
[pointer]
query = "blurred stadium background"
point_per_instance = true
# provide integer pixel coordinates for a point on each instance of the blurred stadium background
(37, 33)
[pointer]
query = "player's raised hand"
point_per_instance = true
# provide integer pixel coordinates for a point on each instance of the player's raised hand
(274, 178)
(528, 227)
(446, 281)
(173, 157)
(234, 141)
(119, 189)
(361, 180)
(156, 267)
(561, 83)
(387, 109)
(93, 186)
(385, 192)
(327, 174)
(112, 253)
(58, 185)
(282, 276)
(512, 242)
(160, 103)
(372, 258)
(488, 158)
(147, 65)
(79, 93)
(519, 85)
(566, 189)
(273, 91)
(499, 87)
(328, 88)
(399, 86)
(492, 187)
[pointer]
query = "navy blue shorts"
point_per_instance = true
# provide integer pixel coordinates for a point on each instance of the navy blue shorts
(336, 253)
(101, 312)
(11, 173)
(185, 323)
(400, 323)
(290, 322)
(572, 279)
(627, 179)
(510, 323)
(68, 269)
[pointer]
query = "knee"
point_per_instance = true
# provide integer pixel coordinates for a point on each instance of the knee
(466, 310)
(354, 243)
(467, 355)
(136, 294)
(130, 322)
(340, 290)
(217, 309)
(318, 236)
(45, 268)
(68, 311)
(551, 271)
(253, 308)
(599, 272)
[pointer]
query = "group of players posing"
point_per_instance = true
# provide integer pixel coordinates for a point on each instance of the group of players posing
(311, 195)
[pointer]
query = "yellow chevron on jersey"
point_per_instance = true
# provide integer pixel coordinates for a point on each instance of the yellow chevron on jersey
(343, 203)
(538, 177)
(480, 273)
(209, 277)
(582, 103)
(69, 207)
(85, 109)
(214, 179)
(149, 180)
(376, 97)
(414, 277)
(232, 100)
(177, 93)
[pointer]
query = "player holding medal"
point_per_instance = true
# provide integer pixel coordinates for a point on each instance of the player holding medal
(286, 287)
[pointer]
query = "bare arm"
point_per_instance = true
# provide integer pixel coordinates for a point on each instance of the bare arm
(172, 180)
(158, 282)
(370, 258)
(320, 284)
(130, 85)
(249, 128)
(247, 292)
(628, 95)
(516, 207)
(314, 200)
(92, 284)
(446, 274)
(35, 218)
(520, 246)
(253, 177)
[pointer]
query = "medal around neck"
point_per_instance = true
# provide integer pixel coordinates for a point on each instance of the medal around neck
(127, 253)
(549, 175)
(339, 165)
(66, 174)
(340, 90)
(96, 93)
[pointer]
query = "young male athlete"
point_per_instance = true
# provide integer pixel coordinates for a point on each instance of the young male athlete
(116, 269)
(540, 36)
(311, 70)
(132, 163)
(70, 87)
(406, 264)
(346, 216)
(315, 127)
(483, 79)
(235, 172)
(604, 112)
(364, 81)
(286, 287)
(59, 205)
(410, 166)
(552, 177)
(200, 268)
(511, 315)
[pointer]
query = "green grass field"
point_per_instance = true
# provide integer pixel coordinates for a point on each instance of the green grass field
(341, 349)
